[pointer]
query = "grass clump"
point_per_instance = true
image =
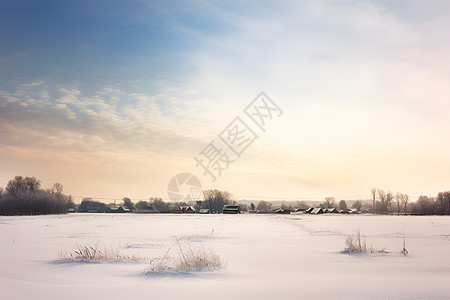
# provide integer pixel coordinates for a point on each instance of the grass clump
(180, 257)
(94, 253)
(356, 244)
(187, 259)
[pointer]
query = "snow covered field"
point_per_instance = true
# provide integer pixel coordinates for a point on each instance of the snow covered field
(266, 256)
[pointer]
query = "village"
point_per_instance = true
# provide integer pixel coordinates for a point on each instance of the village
(227, 209)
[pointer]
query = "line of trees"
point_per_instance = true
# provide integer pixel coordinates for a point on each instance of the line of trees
(24, 196)
(439, 205)
(386, 202)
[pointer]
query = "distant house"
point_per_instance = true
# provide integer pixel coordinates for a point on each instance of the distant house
(317, 211)
(119, 210)
(309, 210)
(204, 211)
(231, 209)
(188, 209)
(282, 211)
(183, 210)
(331, 211)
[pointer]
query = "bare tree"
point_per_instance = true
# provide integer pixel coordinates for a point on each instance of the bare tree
(302, 205)
(215, 200)
(374, 195)
(425, 206)
(404, 200)
(329, 202)
(342, 205)
(15, 186)
(389, 199)
(381, 206)
(20, 185)
(264, 206)
(357, 205)
(443, 199)
(32, 183)
(57, 188)
(398, 197)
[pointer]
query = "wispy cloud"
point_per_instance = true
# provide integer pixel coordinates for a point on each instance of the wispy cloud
(73, 122)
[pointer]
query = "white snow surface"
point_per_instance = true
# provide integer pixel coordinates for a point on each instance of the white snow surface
(267, 257)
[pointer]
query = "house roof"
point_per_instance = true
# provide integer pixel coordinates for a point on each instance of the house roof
(317, 210)
(187, 208)
(233, 207)
(119, 208)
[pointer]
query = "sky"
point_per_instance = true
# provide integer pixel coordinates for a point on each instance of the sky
(115, 98)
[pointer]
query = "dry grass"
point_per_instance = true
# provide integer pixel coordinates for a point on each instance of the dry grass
(187, 259)
(94, 253)
(357, 244)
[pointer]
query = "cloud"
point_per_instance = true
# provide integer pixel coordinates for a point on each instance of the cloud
(88, 125)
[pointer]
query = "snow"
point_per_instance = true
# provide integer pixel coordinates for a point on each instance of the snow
(266, 256)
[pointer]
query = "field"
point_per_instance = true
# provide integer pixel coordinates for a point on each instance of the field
(264, 257)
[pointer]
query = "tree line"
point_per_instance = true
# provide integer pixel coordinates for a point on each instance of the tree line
(24, 196)
(383, 202)
(399, 203)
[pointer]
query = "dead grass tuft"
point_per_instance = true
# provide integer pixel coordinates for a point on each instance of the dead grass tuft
(357, 244)
(94, 253)
(187, 259)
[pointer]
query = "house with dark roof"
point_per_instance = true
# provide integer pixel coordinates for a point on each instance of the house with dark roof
(119, 210)
(183, 210)
(282, 211)
(309, 210)
(231, 209)
(317, 211)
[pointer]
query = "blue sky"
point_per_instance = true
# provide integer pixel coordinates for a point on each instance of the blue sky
(93, 43)
(113, 98)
